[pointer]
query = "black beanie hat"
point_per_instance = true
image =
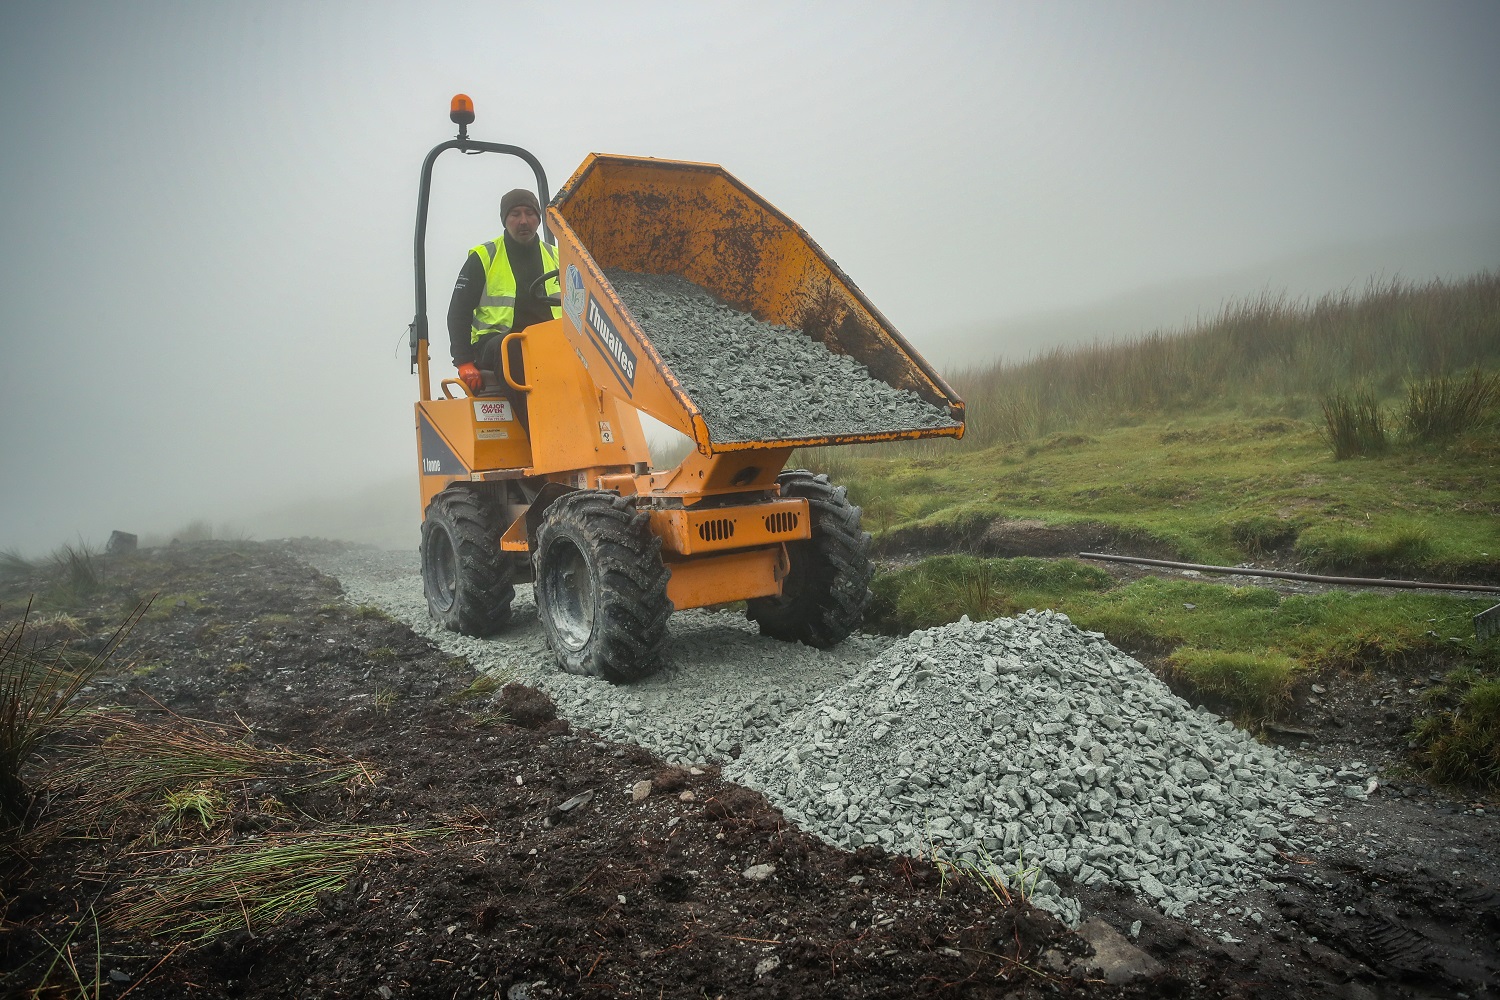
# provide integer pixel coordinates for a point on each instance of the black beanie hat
(520, 196)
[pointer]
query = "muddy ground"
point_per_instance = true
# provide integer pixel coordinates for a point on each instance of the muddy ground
(546, 869)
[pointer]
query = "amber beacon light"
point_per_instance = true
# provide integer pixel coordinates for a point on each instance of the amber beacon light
(461, 110)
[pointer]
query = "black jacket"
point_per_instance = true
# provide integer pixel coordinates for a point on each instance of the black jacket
(526, 264)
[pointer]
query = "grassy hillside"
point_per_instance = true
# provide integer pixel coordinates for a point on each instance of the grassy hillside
(1265, 356)
(1209, 489)
(1213, 444)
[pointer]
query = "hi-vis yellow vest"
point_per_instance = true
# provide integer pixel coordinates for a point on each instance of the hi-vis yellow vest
(496, 312)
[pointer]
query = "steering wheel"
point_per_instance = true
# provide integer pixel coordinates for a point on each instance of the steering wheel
(551, 300)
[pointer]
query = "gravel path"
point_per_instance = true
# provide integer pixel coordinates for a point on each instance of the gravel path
(755, 381)
(1023, 748)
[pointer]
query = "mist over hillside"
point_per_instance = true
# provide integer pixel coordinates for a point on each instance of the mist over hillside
(1440, 253)
(1387, 329)
(384, 513)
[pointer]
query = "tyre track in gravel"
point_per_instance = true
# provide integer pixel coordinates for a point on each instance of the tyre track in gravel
(724, 685)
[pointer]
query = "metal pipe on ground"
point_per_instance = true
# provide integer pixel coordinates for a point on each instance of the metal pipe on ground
(1356, 581)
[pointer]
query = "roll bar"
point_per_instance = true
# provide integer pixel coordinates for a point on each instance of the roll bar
(462, 113)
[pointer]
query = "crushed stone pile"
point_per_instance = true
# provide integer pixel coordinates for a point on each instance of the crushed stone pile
(1023, 747)
(757, 381)
(1028, 749)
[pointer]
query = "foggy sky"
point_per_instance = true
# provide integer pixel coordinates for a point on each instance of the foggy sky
(207, 208)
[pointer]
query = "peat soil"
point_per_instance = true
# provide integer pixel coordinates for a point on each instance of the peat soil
(548, 868)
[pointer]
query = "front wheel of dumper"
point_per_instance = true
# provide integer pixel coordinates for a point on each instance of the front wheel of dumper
(465, 576)
(828, 587)
(601, 586)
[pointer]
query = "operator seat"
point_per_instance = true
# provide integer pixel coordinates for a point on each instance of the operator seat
(495, 384)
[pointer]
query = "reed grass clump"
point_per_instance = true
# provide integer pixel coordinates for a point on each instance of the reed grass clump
(1440, 408)
(39, 689)
(188, 807)
(1260, 534)
(1354, 425)
(71, 577)
(14, 567)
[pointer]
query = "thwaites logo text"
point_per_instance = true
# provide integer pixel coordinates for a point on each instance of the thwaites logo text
(614, 347)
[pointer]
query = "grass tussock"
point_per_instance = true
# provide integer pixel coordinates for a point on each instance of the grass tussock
(1461, 744)
(1438, 409)
(81, 569)
(1259, 535)
(483, 686)
(71, 577)
(202, 807)
(1441, 408)
(14, 567)
(1253, 685)
(249, 887)
(1007, 884)
(39, 690)
(1353, 424)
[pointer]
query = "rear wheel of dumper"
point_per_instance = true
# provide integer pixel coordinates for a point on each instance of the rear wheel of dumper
(601, 586)
(465, 575)
(828, 587)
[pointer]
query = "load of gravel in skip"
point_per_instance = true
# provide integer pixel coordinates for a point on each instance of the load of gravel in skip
(756, 381)
(1029, 749)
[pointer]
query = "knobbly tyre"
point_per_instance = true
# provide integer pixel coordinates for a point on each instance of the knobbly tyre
(572, 503)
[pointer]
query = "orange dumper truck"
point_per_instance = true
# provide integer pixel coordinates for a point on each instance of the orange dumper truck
(571, 502)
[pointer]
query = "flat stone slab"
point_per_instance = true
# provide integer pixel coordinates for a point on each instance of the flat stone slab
(1117, 960)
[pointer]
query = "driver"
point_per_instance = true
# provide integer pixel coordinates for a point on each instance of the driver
(491, 297)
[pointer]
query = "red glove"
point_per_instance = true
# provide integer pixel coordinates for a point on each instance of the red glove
(471, 376)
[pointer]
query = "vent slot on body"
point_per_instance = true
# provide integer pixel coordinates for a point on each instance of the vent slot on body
(781, 522)
(716, 530)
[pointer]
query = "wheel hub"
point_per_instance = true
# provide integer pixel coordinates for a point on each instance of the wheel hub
(444, 570)
(569, 592)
